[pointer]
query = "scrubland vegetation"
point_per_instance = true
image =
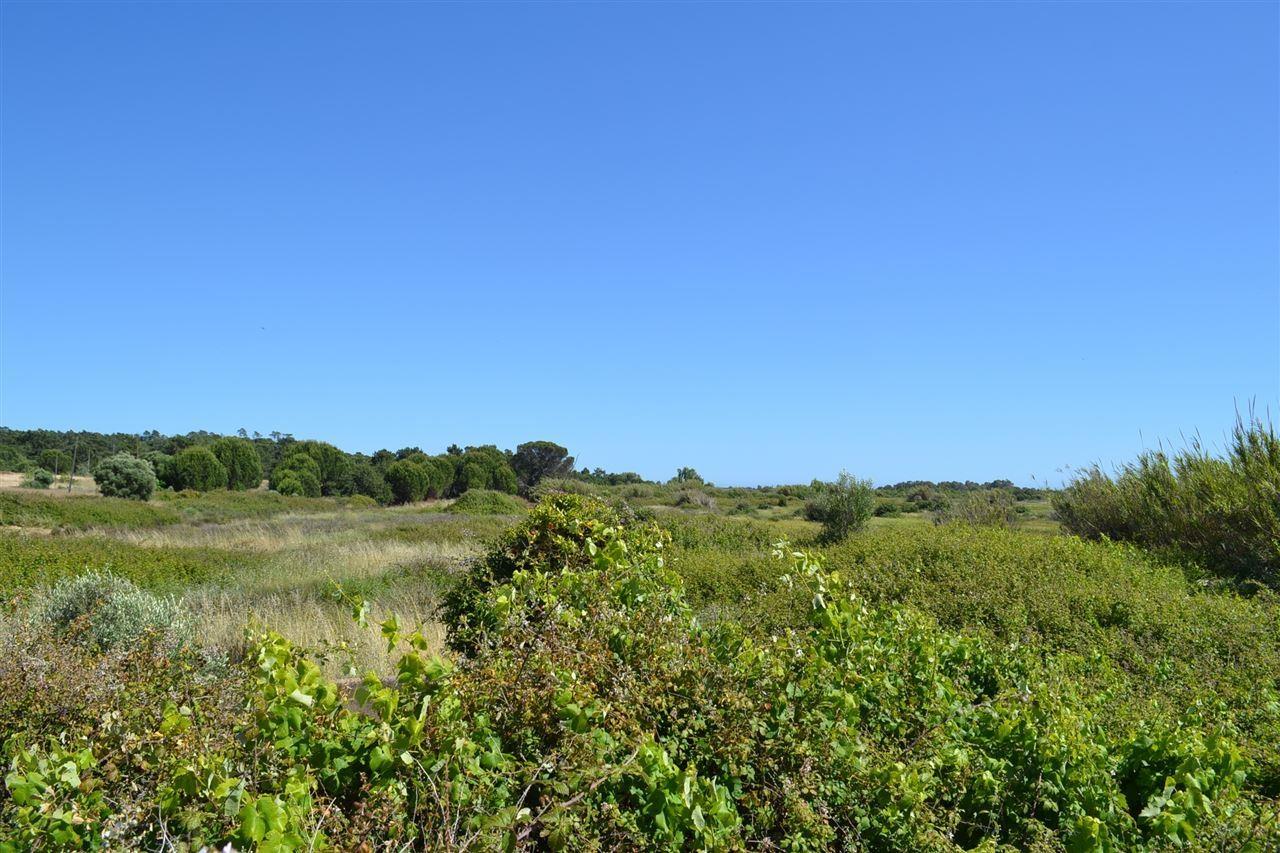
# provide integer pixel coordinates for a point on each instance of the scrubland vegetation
(532, 657)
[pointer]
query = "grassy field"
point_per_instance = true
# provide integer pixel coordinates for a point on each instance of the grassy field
(249, 558)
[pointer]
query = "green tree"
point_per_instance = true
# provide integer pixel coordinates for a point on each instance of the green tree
(197, 468)
(11, 459)
(369, 480)
(124, 475)
(535, 460)
(843, 507)
(240, 458)
(58, 461)
(40, 478)
(297, 474)
(409, 481)
(333, 466)
(162, 464)
(484, 467)
(686, 475)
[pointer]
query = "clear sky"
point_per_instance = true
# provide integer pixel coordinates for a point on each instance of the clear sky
(939, 241)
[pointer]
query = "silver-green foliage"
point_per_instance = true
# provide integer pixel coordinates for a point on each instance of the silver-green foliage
(125, 476)
(111, 612)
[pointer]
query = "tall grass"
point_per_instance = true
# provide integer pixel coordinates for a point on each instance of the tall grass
(1222, 511)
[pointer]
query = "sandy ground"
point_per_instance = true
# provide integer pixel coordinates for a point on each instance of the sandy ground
(83, 485)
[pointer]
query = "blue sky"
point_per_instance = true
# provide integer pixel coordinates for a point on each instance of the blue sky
(769, 241)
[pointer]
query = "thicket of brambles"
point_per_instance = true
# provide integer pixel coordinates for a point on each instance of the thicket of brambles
(1221, 511)
(587, 707)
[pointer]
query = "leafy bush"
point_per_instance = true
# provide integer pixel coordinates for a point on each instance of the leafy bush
(111, 612)
(842, 507)
(39, 478)
(1223, 512)
(486, 502)
(553, 536)
(241, 460)
(125, 476)
(197, 468)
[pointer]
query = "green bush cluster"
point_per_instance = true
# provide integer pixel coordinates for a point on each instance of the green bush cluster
(486, 502)
(125, 476)
(841, 507)
(39, 478)
(594, 711)
(1224, 512)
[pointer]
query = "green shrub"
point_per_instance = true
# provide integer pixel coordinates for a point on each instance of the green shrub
(842, 507)
(486, 502)
(197, 468)
(241, 461)
(1223, 512)
(111, 612)
(125, 476)
(553, 535)
(39, 478)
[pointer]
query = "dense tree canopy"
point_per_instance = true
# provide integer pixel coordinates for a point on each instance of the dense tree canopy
(535, 460)
(297, 474)
(238, 456)
(197, 468)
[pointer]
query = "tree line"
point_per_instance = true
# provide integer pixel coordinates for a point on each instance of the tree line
(205, 461)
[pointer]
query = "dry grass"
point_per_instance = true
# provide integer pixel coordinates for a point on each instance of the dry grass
(396, 559)
(83, 484)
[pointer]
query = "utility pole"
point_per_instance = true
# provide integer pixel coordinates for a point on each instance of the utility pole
(72, 478)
